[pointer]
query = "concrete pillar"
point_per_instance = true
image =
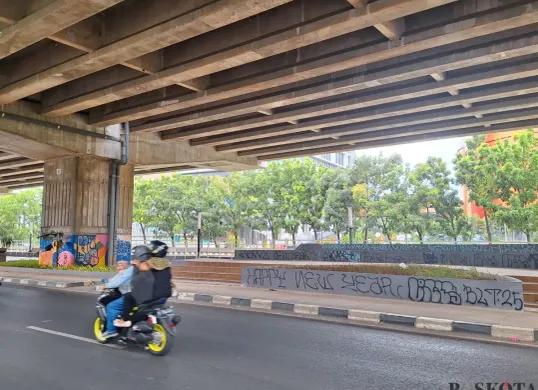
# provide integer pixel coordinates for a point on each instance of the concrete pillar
(76, 203)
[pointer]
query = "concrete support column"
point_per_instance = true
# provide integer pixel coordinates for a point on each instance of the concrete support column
(76, 204)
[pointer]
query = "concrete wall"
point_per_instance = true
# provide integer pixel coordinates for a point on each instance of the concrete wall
(504, 256)
(506, 294)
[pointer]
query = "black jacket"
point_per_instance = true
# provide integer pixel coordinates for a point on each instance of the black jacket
(162, 284)
(162, 275)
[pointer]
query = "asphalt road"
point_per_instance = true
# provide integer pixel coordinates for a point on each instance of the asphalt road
(235, 350)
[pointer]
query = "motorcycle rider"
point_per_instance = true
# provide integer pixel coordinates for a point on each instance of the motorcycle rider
(121, 282)
(152, 280)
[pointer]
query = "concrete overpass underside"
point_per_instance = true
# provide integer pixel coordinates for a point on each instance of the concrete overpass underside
(224, 84)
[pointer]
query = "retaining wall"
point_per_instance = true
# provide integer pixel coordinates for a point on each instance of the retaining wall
(505, 256)
(499, 294)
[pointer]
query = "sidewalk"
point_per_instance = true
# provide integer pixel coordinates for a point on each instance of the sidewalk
(501, 324)
(456, 313)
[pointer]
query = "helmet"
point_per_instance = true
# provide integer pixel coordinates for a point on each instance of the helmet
(142, 253)
(158, 248)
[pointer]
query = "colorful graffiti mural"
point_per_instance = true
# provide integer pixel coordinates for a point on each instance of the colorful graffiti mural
(82, 250)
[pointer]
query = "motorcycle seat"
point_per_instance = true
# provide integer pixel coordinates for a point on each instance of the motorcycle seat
(152, 304)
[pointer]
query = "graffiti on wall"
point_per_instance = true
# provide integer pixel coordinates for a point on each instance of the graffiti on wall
(82, 250)
(123, 248)
(506, 256)
(504, 294)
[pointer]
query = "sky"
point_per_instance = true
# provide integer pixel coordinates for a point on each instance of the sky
(418, 152)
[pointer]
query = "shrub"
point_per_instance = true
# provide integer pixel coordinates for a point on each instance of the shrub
(35, 264)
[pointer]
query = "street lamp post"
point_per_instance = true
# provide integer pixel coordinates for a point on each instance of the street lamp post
(350, 223)
(199, 249)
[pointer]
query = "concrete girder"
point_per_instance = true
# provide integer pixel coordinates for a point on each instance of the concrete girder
(427, 127)
(207, 18)
(47, 21)
(504, 127)
(320, 30)
(439, 103)
(487, 54)
(148, 149)
(366, 125)
(289, 15)
(507, 73)
(392, 29)
(28, 137)
(23, 184)
(38, 167)
(34, 140)
(472, 27)
(21, 178)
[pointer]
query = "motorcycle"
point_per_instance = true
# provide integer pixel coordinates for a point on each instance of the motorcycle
(154, 325)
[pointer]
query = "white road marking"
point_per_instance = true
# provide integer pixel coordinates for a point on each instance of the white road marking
(71, 336)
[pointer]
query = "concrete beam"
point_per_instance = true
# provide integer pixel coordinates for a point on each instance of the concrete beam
(38, 167)
(505, 106)
(392, 29)
(48, 21)
(362, 136)
(308, 34)
(406, 139)
(290, 15)
(494, 93)
(388, 95)
(493, 52)
(186, 26)
(20, 162)
(11, 11)
(22, 132)
(20, 178)
(24, 184)
(148, 149)
(439, 76)
(472, 27)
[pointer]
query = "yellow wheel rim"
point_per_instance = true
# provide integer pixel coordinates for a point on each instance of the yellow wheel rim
(162, 332)
(98, 328)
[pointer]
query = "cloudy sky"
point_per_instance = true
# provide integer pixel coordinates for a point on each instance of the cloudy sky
(415, 153)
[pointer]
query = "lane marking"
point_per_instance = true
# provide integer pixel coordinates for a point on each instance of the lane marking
(71, 336)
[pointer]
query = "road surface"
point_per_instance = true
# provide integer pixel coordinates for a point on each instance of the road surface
(235, 350)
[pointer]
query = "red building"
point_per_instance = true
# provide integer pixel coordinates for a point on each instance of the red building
(470, 208)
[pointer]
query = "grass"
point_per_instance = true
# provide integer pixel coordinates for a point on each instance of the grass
(411, 270)
(35, 264)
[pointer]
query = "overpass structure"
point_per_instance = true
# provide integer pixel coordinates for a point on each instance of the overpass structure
(89, 86)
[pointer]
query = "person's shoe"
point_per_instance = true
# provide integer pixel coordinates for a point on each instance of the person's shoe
(122, 324)
(109, 335)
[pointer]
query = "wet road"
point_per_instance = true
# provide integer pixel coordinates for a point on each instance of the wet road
(233, 350)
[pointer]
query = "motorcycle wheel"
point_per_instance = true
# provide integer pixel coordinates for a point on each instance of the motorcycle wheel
(165, 344)
(98, 329)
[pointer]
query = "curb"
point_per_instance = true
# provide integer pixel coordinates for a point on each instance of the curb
(43, 283)
(358, 317)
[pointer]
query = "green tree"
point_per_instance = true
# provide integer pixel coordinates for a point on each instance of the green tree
(318, 182)
(20, 215)
(264, 203)
(434, 178)
(145, 193)
(178, 200)
(517, 181)
(379, 190)
(8, 220)
(477, 170)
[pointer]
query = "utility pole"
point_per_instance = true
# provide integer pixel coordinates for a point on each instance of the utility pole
(199, 235)
(350, 223)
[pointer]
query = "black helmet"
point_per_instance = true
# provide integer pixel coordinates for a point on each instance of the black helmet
(142, 253)
(158, 248)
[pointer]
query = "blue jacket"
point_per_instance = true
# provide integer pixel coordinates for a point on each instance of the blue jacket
(122, 280)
